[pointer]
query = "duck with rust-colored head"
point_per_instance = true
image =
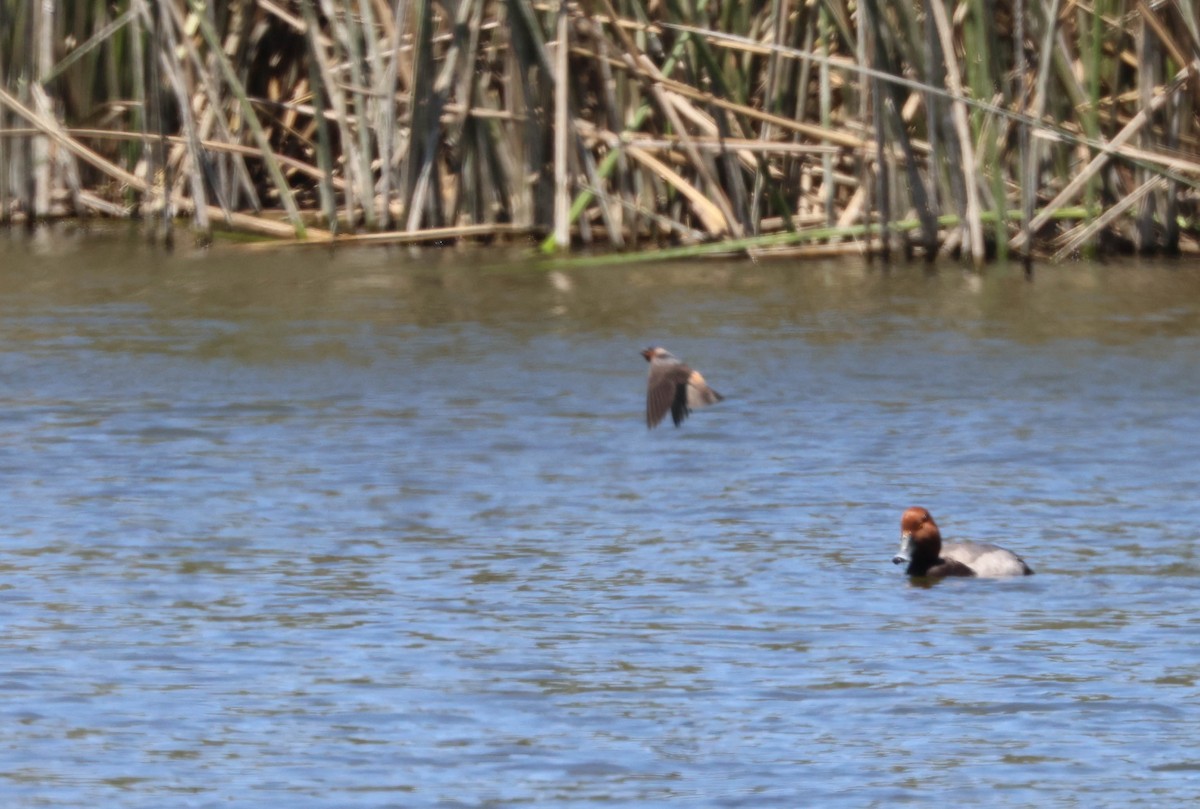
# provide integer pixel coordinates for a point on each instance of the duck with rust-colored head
(673, 388)
(922, 550)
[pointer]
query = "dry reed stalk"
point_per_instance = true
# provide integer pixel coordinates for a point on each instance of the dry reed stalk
(712, 131)
(615, 158)
(222, 147)
(235, 86)
(959, 113)
(1112, 149)
(99, 37)
(828, 134)
(320, 95)
(1087, 232)
(91, 202)
(647, 72)
(139, 15)
(350, 38)
(664, 224)
(826, 111)
(194, 151)
(207, 105)
(462, 113)
(707, 144)
(869, 42)
(42, 62)
(1147, 50)
(714, 219)
(51, 130)
(427, 235)
(419, 172)
(356, 199)
(4, 161)
(388, 88)
(562, 199)
(291, 20)
(778, 28)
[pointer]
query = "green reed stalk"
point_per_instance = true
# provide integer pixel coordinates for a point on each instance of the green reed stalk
(585, 196)
(320, 96)
(981, 55)
(775, 240)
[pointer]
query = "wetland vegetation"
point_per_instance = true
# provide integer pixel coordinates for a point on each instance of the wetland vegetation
(975, 127)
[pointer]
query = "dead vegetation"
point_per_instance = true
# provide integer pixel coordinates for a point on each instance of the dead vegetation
(979, 127)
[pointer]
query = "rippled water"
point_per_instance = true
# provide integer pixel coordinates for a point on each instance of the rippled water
(387, 529)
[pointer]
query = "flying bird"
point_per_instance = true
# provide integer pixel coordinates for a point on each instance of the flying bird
(673, 387)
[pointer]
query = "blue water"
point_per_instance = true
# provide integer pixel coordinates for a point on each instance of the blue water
(380, 529)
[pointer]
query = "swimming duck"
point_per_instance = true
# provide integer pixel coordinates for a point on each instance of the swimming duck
(922, 550)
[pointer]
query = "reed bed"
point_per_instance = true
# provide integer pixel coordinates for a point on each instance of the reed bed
(975, 128)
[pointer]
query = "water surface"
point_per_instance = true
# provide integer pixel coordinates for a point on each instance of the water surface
(386, 528)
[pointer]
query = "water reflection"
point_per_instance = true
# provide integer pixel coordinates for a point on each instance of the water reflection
(386, 528)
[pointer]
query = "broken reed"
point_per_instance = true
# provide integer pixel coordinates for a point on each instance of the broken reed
(1031, 126)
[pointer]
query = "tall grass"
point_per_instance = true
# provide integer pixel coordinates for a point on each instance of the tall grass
(973, 127)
